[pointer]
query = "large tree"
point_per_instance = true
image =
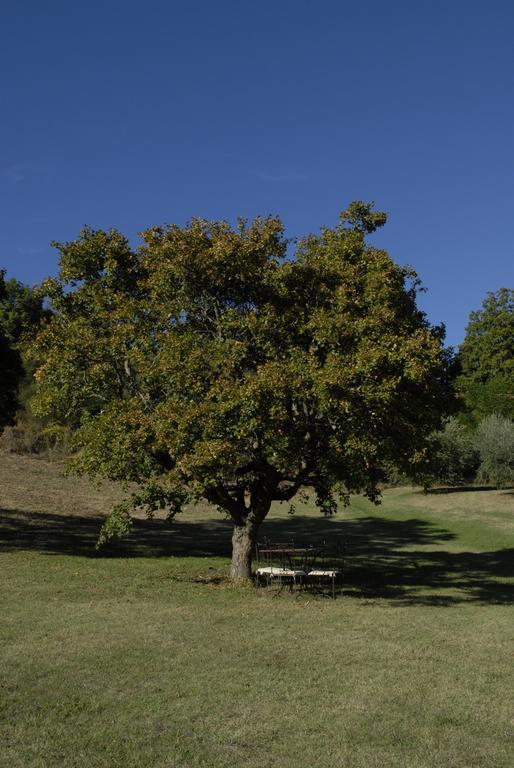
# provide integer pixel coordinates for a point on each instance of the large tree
(486, 358)
(211, 363)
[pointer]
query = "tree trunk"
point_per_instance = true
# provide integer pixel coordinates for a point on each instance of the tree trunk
(243, 544)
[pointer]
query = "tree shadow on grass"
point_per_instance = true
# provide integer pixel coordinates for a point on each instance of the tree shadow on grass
(457, 489)
(399, 560)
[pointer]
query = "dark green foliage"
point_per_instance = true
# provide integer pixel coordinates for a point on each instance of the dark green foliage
(10, 372)
(21, 314)
(21, 310)
(11, 369)
(486, 358)
(453, 457)
(494, 441)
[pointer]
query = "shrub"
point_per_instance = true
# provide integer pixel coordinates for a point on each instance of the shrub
(494, 442)
(455, 457)
(451, 457)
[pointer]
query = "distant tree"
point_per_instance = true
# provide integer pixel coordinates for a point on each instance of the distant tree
(453, 458)
(21, 313)
(487, 358)
(207, 363)
(495, 443)
(21, 310)
(11, 371)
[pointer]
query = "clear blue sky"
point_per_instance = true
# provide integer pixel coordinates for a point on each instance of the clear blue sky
(130, 114)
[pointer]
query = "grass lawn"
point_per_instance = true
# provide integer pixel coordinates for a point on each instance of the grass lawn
(146, 656)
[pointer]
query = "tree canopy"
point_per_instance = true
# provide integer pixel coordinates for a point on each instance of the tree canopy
(21, 310)
(210, 363)
(487, 358)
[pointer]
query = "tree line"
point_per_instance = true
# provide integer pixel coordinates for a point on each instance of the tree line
(210, 362)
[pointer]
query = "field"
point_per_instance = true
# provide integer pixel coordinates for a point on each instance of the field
(144, 655)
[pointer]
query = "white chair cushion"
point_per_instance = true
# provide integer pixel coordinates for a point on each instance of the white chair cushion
(321, 572)
(273, 570)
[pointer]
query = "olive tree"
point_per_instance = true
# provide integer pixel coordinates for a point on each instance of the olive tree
(212, 363)
(452, 457)
(494, 441)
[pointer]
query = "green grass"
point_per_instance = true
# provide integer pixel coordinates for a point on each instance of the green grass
(146, 656)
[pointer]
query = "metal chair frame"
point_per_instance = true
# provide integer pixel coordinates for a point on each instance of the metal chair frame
(327, 568)
(276, 563)
(314, 567)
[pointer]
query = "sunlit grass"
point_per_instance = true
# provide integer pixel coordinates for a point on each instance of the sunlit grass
(141, 657)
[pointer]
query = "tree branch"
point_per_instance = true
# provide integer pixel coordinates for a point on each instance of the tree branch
(286, 494)
(223, 498)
